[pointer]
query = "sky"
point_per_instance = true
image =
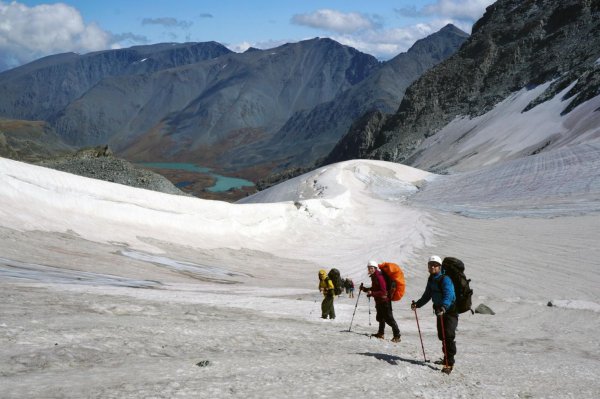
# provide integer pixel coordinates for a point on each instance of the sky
(383, 28)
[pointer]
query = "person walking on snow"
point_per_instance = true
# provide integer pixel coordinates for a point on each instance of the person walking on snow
(383, 305)
(441, 291)
(326, 287)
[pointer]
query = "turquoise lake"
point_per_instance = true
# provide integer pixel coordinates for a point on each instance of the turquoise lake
(223, 183)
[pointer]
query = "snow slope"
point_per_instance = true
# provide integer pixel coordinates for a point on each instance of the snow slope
(108, 291)
(508, 132)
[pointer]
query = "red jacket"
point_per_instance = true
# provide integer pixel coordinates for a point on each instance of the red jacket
(378, 287)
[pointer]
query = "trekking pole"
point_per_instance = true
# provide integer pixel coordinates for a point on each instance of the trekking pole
(444, 339)
(420, 337)
(369, 309)
(355, 306)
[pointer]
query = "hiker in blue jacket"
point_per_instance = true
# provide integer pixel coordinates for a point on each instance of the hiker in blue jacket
(440, 290)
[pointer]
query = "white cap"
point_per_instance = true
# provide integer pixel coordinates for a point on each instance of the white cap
(372, 263)
(436, 259)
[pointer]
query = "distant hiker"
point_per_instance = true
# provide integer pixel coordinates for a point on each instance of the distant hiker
(350, 288)
(383, 305)
(327, 288)
(441, 291)
(346, 286)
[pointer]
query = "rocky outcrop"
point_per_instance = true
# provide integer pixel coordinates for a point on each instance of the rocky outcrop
(100, 163)
(361, 138)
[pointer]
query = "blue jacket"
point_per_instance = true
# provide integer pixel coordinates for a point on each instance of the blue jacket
(441, 297)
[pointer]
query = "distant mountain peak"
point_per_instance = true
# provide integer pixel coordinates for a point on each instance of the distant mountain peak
(453, 29)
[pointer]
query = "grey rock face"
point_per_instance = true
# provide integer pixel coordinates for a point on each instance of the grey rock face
(311, 134)
(361, 138)
(516, 44)
(99, 163)
(40, 89)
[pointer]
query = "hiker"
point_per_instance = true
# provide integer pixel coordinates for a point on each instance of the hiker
(327, 288)
(441, 291)
(383, 305)
(350, 288)
(347, 286)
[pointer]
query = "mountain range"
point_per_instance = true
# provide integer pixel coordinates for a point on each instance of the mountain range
(250, 113)
(268, 115)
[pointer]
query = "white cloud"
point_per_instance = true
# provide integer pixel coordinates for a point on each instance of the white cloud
(459, 9)
(366, 34)
(240, 47)
(27, 33)
(388, 43)
(243, 46)
(335, 21)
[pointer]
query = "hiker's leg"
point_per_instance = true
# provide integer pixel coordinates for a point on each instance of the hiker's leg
(380, 317)
(450, 324)
(328, 301)
(324, 308)
(391, 321)
(331, 309)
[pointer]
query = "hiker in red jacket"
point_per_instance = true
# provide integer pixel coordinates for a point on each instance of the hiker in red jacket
(383, 305)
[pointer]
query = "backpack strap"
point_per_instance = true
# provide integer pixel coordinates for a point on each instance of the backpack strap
(327, 280)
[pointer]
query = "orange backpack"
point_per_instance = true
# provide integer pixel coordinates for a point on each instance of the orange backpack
(392, 272)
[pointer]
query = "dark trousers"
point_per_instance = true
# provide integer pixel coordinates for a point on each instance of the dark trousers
(327, 307)
(450, 324)
(385, 316)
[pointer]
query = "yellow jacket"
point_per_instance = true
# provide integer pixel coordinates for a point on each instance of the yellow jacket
(325, 284)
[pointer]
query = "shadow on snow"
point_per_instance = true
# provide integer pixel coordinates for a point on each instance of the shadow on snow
(393, 360)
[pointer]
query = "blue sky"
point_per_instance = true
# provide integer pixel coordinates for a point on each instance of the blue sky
(33, 29)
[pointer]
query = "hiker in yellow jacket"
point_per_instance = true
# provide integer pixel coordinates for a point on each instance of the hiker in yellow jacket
(326, 287)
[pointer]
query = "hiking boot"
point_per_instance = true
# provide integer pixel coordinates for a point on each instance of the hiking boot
(396, 339)
(378, 335)
(447, 369)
